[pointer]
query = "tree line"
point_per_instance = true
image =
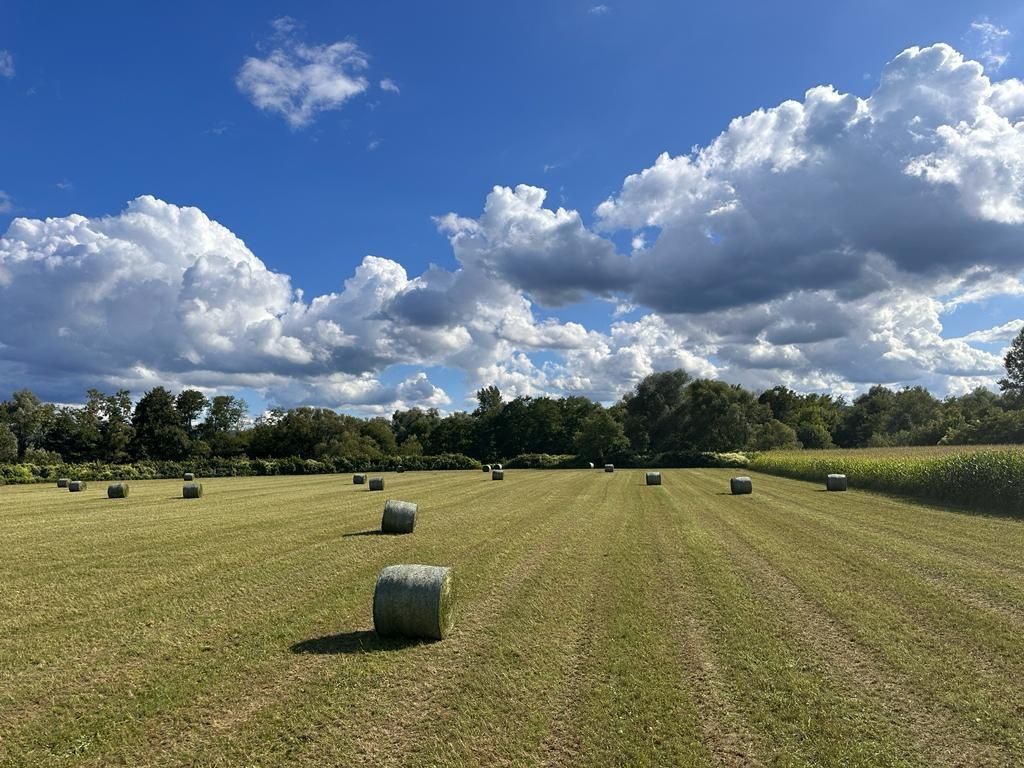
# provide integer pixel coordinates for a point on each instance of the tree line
(667, 412)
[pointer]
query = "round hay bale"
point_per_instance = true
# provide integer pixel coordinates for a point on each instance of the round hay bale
(591, 464)
(486, 467)
(653, 478)
(63, 482)
(609, 467)
(192, 491)
(835, 483)
(497, 474)
(497, 466)
(399, 516)
(189, 477)
(400, 470)
(117, 491)
(376, 483)
(413, 601)
(359, 479)
(76, 485)
(741, 484)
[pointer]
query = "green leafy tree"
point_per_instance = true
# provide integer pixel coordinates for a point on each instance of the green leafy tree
(487, 431)
(455, 433)
(222, 430)
(189, 404)
(159, 433)
(28, 418)
(117, 425)
(489, 399)
(773, 434)
(1014, 362)
(8, 444)
(716, 416)
(652, 411)
(600, 437)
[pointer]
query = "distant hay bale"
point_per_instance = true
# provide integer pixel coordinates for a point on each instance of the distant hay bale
(358, 479)
(117, 491)
(192, 491)
(497, 466)
(835, 483)
(400, 469)
(189, 477)
(376, 483)
(497, 474)
(399, 516)
(76, 485)
(741, 484)
(486, 467)
(591, 465)
(653, 478)
(609, 467)
(63, 482)
(413, 601)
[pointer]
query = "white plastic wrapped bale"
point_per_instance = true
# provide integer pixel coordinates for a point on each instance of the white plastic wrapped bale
(742, 484)
(835, 483)
(117, 491)
(653, 478)
(413, 601)
(399, 516)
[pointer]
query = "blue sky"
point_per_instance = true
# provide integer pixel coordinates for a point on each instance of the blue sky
(107, 103)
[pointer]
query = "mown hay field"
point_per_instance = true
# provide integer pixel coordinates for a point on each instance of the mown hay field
(599, 622)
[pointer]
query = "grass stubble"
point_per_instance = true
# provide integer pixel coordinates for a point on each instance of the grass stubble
(599, 622)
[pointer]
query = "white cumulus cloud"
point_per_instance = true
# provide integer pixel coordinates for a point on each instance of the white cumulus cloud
(818, 243)
(298, 81)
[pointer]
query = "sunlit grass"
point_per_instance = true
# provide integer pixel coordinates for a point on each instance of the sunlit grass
(599, 621)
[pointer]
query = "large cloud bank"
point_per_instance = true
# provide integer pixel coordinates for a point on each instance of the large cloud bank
(816, 244)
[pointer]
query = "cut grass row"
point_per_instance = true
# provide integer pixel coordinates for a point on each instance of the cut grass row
(600, 622)
(987, 480)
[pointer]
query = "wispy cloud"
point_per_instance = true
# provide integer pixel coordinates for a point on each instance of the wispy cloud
(387, 84)
(598, 10)
(298, 81)
(285, 25)
(374, 143)
(990, 40)
(5, 202)
(999, 333)
(6, 64)
(65, 184)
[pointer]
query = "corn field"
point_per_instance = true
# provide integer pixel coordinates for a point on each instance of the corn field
(982, 478)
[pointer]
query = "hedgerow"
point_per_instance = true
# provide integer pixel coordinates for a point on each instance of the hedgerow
(11, 474)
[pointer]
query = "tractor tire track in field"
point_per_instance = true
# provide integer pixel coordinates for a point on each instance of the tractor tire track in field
(430, 734)
(769, 688)
(726, 734)
(220, 630)
(421, 676)
(600, 623)
(937, 738)
(883, 609)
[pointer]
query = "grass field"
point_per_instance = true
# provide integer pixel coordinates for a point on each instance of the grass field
(599, 623)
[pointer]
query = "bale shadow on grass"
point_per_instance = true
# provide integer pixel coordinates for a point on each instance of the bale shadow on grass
(362, 641)
(371, 532)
